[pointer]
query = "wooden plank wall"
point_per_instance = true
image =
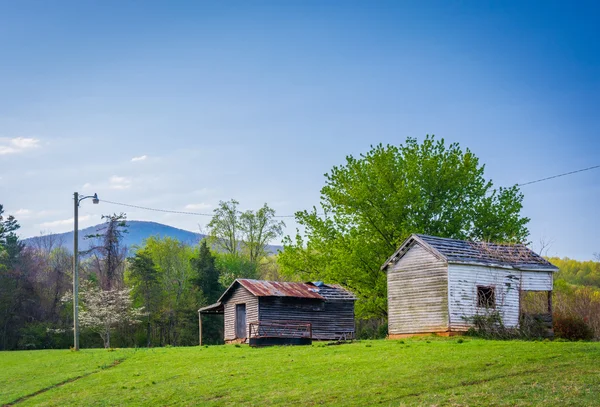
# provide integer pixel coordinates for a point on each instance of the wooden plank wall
(239, 296)
(463, 280)
(328, 318)
(536, 280)
(417, 293)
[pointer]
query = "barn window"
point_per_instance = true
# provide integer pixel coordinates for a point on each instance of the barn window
(486, 297)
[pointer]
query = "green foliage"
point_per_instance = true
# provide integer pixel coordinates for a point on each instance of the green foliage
(144, 278)
(258, 229)
(14, 287)
(491, 326)
(206, 278)
(577, 272)
(175, 313)
(232, 266)
(224, 227)
(579, 303)
(43, 335)
(209, 289)
(572, 328)
(375, 201)
(373, 328)
(247, 233)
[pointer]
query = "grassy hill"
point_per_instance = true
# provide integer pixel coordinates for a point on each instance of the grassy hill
(427, 371)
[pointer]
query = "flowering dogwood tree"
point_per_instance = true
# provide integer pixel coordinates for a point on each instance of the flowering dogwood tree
(103, 310)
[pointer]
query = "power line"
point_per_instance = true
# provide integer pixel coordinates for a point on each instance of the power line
(156, 209)
(291, 216)
(171, 211)
(558, 176)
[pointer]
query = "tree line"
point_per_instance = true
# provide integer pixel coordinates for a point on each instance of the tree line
(141, 296)
(368, 206)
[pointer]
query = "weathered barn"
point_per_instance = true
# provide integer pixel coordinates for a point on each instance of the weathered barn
(329, 309)
(438, 285)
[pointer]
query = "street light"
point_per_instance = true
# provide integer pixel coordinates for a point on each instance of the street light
(77, 200)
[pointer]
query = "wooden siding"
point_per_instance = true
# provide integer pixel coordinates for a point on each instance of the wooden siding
(328, 318)
(239, 296)
(463, 281)
(417, 293)
(536, 280)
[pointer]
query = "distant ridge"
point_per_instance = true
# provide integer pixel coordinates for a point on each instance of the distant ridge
(138, 232)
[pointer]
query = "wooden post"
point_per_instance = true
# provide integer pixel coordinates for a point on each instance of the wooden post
(199, 328)
(550, 302)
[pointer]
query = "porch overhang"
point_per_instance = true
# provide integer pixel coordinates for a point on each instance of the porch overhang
(216, 308)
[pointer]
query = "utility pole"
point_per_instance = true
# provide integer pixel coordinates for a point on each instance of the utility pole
(76, 272)
(76, 201)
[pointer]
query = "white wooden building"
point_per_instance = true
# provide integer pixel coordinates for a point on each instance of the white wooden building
(436, 285)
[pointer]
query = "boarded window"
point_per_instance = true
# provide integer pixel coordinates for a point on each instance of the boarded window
(486, 297)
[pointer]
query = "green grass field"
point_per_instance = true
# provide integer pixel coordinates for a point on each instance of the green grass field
(427, 371)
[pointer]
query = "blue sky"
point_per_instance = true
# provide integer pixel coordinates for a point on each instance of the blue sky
(181, 104)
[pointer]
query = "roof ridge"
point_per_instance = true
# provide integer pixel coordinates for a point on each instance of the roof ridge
(514, 255)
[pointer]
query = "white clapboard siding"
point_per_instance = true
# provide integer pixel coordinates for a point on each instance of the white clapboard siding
(240, 295)
(417, 293)
(463, 280)
(536, 280)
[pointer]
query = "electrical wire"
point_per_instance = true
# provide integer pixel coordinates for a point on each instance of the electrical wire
(291, 216)
(155, 209)
(558, 176)
(172, 211)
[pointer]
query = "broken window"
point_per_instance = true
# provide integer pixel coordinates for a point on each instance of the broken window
(486, 297)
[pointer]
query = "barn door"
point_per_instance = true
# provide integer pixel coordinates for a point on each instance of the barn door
(240, 320)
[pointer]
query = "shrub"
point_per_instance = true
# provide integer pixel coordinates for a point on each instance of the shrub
(491, 326)
(374, 328)
(572, 327)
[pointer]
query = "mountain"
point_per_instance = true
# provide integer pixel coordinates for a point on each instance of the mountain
(138, 231)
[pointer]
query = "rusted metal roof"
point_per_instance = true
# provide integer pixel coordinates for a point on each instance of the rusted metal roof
(261, 288)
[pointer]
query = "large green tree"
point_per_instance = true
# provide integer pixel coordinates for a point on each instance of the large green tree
(209, 290)
(258, 229)
(373, 202)
(206, 277)
(178, 299)
(15, 292)
(244, 233)
(145, 281)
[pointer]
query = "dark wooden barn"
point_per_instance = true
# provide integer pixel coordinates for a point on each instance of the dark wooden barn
(253, 307)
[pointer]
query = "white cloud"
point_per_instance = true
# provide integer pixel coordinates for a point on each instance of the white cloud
(140, 158)
(63, 222)
(117, 182)
(17, 144)
(23, 213)
(198, 206)
(29, 214)
(86, 185)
